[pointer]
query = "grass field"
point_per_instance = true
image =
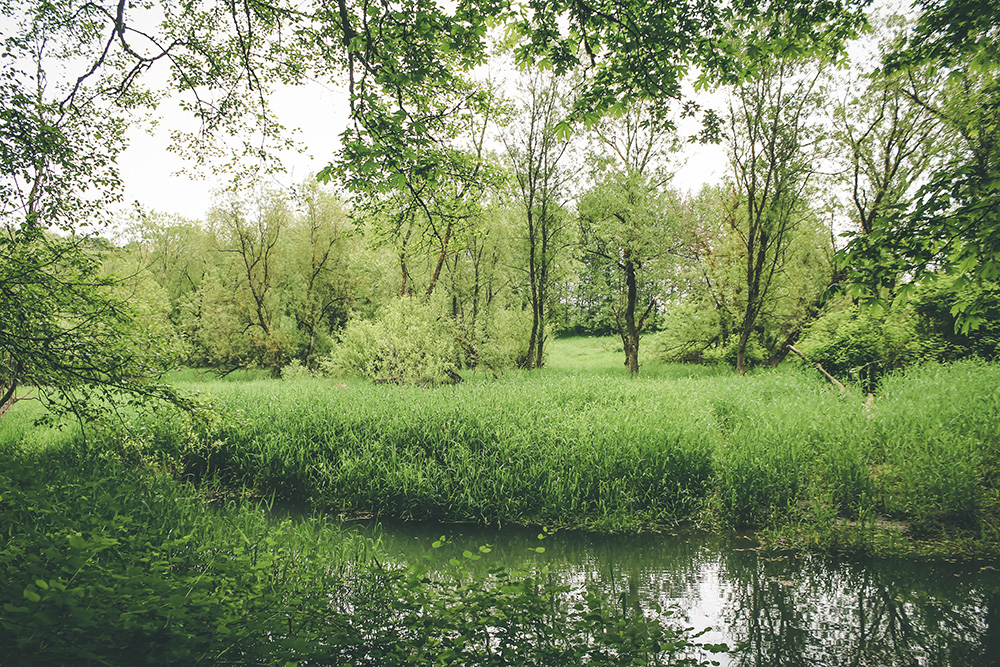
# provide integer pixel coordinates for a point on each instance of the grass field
(581, 444)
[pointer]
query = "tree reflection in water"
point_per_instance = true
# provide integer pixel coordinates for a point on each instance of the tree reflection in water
(779, 611)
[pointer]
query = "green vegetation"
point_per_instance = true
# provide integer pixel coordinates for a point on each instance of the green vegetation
(780, 450)
(106, 562)
(138, 549)
(419, 267)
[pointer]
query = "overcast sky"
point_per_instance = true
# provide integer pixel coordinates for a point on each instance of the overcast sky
(318, 115)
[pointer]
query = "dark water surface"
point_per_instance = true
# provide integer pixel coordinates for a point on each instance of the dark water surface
(780, 610)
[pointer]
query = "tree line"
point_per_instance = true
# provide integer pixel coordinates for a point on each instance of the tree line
(567, 223)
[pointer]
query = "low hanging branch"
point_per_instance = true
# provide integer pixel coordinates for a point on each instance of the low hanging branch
(820, 368)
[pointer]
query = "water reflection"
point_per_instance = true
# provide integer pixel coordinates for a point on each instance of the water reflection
(780, 611)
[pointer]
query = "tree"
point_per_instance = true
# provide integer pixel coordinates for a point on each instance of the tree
(626, 222)
(69, 82)
(889, 142)
(536, 151)
(953, 223)
(770, 131)
(315, 278)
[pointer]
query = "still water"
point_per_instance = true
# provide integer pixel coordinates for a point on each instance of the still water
(777, 610)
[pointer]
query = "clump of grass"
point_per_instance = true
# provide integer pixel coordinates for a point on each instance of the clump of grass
(937, 444)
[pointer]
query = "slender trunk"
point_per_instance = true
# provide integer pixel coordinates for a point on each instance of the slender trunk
(540, 338)
(8, 399)
(529, 359)
(536, 314)
(440, 262)
(406, 275)
(630, 333)
(755, 269)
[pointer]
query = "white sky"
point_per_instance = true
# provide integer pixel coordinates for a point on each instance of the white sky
(152, 174)
(318, 115)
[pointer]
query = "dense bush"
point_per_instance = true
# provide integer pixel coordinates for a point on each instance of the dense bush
(936, 322)
(409, 343)
(861, 345)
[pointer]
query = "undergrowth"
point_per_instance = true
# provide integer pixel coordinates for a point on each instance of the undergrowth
(107, 563)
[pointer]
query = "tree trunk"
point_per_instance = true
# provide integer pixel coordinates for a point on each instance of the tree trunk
(540, 317)
(440, 262)
(630, 332)
(8, 399)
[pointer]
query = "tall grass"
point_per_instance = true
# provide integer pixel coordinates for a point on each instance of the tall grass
(585, 445)
(566, 450)
(580, 443)
(111, 564)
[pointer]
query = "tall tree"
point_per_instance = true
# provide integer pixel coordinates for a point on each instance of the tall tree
(888, 141)
(625, 218)
(313, 268)
(771, 129)
(536, 149)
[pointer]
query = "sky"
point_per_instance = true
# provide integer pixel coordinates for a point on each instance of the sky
(317, 115)
(154, 176)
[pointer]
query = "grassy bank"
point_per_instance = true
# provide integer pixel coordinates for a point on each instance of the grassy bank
(123, 551)
(107, 563)
(580, 444)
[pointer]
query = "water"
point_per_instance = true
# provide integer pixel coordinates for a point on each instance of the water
(779, 610)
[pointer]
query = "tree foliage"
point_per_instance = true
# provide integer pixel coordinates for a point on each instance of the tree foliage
(537, 152)
(771, 140)
(952, 224)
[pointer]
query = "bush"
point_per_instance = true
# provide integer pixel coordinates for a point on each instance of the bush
(505, 341)
(295, 370)
(409, 343)
(861, 345)
(755, 354)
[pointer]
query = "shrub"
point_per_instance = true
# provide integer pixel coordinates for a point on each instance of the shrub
(295, 370)
(409, 343)
(505, 341)
(858, 345)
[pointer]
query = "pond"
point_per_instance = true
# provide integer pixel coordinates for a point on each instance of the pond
(776, 609)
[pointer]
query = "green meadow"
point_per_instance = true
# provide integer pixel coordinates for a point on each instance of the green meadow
(581, 444)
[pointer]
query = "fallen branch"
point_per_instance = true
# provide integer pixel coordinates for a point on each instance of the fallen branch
(820, 368)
